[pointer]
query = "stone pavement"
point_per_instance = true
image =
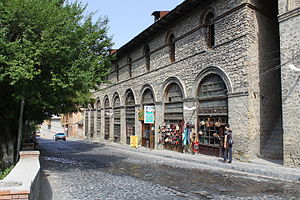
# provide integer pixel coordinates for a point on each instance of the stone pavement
(257, 166)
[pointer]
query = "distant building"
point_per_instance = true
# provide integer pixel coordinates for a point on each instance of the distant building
(201, 66)
(73, 124)
(52, 126)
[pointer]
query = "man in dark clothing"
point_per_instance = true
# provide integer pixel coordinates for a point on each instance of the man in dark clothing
(228, 142)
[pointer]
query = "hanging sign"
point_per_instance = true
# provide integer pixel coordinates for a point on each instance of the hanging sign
(141, 115)
(149, 114)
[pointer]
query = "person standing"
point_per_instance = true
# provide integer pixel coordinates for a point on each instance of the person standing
(228, 142)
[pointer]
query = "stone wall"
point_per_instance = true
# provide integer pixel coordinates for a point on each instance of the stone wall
(22, 183)
(289, 19)
(234, 57)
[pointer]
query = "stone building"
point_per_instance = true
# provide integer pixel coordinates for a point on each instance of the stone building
(289, 23)
(52, 126)
(73, 124)
(202, 65)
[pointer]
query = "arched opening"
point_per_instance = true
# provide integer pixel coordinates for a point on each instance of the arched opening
(117, 72)
(129, 63)
(173, 118)
(212, 114)
(106, 119)
(171, 46)
(92, 122)
(86, 123)
(117, 119)
(147, 57)
(130, 116)
(210, 29)
(148, 134)
(98, 107)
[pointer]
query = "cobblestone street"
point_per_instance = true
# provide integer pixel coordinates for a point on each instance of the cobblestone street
(79, 170)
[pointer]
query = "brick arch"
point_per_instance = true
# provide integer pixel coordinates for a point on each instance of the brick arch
(116, 94)
(143, 89)
(104, 99)
(126, 94)
(168, 34)
(171, 80)
(212, 70)
(205, 12)
(98, 103)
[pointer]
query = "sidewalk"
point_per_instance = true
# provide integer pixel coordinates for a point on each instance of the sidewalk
(257, 166)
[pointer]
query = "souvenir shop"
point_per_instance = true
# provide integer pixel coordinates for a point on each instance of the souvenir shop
(172, 128)
(206, 137)
(212, 115)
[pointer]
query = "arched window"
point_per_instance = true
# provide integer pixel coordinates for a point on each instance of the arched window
(130, 116)
(92, 122)
(148, 98)
(129, 63)
(98, 107)
(210, 28)
(117, 119)
(147, 57)
(107, 119)
(117, 72)
(86, 127)
(171, 46)
(212, 113)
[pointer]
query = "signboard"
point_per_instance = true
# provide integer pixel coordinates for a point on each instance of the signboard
(134, 141)
(149, 114)
(141, 115)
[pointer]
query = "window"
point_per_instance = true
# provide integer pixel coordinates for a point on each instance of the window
(117, 72)
(130, 116)
(148, 98)
(117, 119)
(98, 118)
(171, 46)
(147, 57)
(210, 29)
(129, 63)
(92, 123)
(106, 119)
(173, 104)
(86, 128)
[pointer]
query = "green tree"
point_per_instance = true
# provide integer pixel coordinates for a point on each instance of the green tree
(52, 56)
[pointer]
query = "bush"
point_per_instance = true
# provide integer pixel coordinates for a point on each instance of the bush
(5, 172)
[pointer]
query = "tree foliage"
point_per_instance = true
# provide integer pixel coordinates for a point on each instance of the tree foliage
(51, 55)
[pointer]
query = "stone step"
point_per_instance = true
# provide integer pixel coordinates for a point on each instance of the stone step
(270, 154)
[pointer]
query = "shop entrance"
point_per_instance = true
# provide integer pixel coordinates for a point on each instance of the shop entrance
(148, 136)
(212, 114)
(148, 129)
(130, 115)
(172, 128)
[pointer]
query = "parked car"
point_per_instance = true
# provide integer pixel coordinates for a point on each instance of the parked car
(60, 136)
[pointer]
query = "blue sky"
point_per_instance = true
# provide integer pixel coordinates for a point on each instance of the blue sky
(128, 17)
